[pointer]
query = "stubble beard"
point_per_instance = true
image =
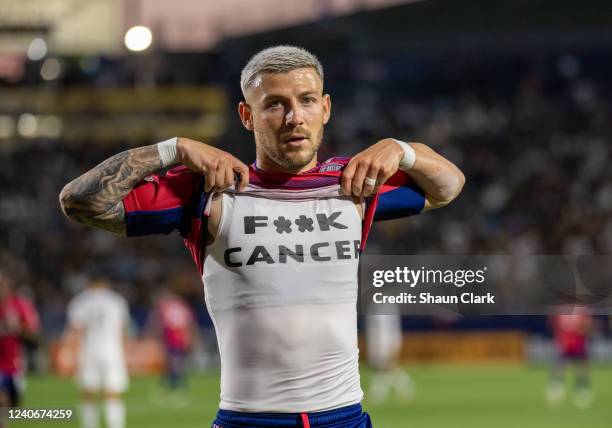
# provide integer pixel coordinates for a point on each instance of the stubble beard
(274, 152)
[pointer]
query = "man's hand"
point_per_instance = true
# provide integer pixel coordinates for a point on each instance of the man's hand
(440, 179)
(217, 166)
(368, 170)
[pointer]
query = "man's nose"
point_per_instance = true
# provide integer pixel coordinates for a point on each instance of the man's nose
(295, 115)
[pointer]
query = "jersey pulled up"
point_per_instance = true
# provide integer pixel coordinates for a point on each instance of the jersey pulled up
(280, 278)
(280, 283)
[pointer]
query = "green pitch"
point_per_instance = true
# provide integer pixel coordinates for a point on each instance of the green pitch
(447, 396)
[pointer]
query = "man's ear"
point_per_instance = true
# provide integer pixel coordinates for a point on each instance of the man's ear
(326, 108)
(246, 116)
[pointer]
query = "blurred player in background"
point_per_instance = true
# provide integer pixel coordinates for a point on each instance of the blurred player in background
(384, 345)
(174, 322)
(278, 248)
(98, 318)
(571, 335)
(18, 322)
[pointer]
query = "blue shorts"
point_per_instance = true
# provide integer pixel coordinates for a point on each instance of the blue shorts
(10, 386)
(579, 354)
(344, 417)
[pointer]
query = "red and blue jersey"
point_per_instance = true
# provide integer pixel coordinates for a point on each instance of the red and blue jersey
(17, 315)
(571, 331)
(176, 321)
(163, 203)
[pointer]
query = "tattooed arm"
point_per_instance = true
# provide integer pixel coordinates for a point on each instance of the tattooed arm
(96, 197)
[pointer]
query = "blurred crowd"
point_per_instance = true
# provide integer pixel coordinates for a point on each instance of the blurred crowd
(534, 150)
(533, 142)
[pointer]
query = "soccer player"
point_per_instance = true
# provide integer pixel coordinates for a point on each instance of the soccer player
(278, 248)
(18, 322)
(571, 333)
(97, 322)
(384, 340)
(174, 321)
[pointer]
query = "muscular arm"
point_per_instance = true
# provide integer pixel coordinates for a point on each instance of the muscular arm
(95, 198)
(439, 178)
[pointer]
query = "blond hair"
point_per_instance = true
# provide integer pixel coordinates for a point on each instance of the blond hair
(278, 59)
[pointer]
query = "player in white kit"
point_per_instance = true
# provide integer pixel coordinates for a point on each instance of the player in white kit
(98, 318)
(277, 243)
(384, 340)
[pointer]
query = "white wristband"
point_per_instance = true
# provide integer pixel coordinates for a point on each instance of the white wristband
(167, 151)
(409, 158)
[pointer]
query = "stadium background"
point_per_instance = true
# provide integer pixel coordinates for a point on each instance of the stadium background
(517, 93)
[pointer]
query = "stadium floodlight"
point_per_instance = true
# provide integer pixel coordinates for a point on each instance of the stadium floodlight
(50, 69)
(37, 49)
(138, 38)
(27, 125)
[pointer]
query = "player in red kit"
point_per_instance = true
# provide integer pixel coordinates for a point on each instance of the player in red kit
(174, 320)
(18, 321)
(571, 333)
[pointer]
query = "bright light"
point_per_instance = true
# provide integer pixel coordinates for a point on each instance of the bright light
(138, 38)
(50, 69)
(37, 49)
(27, 125)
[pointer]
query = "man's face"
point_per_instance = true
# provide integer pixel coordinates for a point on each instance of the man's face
(287, 112)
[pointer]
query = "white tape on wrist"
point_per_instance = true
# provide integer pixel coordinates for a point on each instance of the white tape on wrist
(409, 158)
(167, 151)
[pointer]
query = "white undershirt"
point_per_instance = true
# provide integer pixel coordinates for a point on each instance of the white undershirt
(286, 323)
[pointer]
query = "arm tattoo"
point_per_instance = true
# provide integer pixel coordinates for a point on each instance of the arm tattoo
(95, 198)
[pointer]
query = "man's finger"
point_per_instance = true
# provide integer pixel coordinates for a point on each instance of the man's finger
(379, 178)
(358, 179)
(370, 181)
(229, 177)
(209, 179)
(243, 172)
(220, 175)
(347, 177)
